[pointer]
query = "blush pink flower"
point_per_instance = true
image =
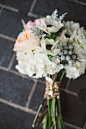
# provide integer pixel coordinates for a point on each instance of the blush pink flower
(36, 22)
(30, 24)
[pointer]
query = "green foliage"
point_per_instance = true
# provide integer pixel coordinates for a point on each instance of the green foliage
(41, 16)
(53, 35)
(49, 57)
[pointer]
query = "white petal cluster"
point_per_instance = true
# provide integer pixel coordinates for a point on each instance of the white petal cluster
(54, 25)
(36, 63)
(50, 46)
(79, 36)
(75, 71)
(79, 43)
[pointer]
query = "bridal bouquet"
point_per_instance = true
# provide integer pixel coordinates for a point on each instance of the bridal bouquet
(50, 47)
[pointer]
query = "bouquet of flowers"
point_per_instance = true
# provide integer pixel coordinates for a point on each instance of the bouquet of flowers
(50, 47)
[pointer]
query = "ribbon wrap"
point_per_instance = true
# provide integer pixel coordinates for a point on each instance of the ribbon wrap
(52, 90)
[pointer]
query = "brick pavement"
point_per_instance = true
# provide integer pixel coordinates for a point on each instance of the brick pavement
(20, 95)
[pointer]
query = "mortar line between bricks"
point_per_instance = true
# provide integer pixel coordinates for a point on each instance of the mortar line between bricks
(31, 94)
(69, 92)
(19, 74)
(32, 6)
(24, 76)
(11, 61)
(70, 125)
(7, 37)
(16, 73)
(1, 10)
(84, 126)
(33, 15)
(68, 83)
(79, 2)
(9, 8)
(18, 106)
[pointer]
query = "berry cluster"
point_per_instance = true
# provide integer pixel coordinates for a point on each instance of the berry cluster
(67, 56)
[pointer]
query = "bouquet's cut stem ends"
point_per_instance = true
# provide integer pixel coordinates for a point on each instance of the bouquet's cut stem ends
(33, 125)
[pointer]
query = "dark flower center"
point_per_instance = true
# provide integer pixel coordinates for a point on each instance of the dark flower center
(68, 36)
(48, 47)
(49, 25)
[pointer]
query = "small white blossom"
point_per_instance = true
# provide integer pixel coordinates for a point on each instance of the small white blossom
(49, 25)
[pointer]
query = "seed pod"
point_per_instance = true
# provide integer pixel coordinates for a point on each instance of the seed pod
(60, 53)
(70, 52)
(67, 58)
(64, 43)
(66, 47)
(73, 57)
(62, 57)
(71, 46)
(65, 52)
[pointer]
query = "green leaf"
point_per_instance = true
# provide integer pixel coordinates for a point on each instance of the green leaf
(50, 36)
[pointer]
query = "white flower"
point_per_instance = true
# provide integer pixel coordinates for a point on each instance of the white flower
(79, 36)
(36, 63)
(71, 72)
(53, 50)
(76, 70)
(26, 42)
(49, 25)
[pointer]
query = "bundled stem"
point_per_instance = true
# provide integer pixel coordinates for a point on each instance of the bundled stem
(52, 112)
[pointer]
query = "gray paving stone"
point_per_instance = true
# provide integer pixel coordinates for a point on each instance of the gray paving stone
(23, 5)
(14, 88)
(81, 1)
(37, 97)
(73, 109)
(64, 82)
(6, 51)
(13, 118)
(10, 23)
(79, 85)
(76, 12)
(14, 65)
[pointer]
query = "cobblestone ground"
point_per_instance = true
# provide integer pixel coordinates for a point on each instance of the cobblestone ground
(20, 95)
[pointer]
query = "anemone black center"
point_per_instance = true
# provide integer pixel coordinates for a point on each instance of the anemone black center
(48, 47)
(49, 25)
(68, 36)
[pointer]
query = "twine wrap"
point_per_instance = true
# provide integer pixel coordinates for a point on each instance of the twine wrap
(52, 90)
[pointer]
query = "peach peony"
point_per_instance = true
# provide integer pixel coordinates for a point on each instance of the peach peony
(26, 42)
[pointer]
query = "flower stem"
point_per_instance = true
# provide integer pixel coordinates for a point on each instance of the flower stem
(60, 120)
(49, 113)
(62, 75)
(33, 125)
